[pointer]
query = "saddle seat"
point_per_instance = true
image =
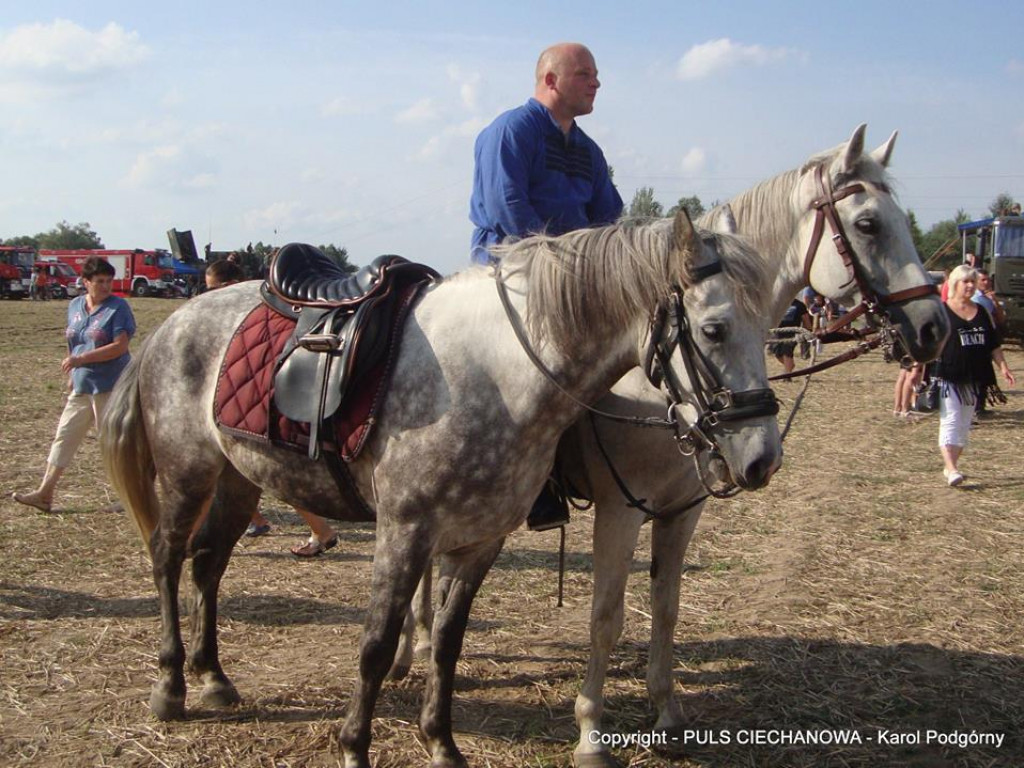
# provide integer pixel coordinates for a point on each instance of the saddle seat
(303, 276)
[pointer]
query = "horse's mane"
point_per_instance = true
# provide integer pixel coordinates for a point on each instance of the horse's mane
(608, 276)
(769, 203)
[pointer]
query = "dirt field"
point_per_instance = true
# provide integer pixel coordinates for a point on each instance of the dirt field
(857, 595)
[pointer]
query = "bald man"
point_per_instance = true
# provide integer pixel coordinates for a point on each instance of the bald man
(536, 170)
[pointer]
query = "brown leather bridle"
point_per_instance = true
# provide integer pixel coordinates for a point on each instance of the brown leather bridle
(872, 302)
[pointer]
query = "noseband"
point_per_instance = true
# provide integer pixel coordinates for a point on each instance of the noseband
(872, 302)
(715, 403)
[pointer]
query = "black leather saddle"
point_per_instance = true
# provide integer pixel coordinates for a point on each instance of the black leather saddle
(344, 326)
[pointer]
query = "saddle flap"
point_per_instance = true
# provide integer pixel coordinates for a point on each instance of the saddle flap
(309, 381)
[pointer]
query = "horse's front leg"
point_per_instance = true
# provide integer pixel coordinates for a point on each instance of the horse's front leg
(616, 528)
(401, 556)
(167, 546)
(415, 641)
(669, 539)
(233, 505)
(460, 578)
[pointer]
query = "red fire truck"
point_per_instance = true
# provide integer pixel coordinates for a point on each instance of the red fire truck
(16, 270)
(141, 273)
(62, 278)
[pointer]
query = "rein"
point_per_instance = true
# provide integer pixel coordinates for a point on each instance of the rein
(524, 342)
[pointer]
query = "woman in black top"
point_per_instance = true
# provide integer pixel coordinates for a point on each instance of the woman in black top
(965, 367)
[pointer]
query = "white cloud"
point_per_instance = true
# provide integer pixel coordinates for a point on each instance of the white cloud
(469, 86)
(200, 181)
(467, 129)
(694, 161)
(279, 215)
(718, 55)
(170, 166)
(147, 167)
(63, 50)
(421, 112)
(341, 106)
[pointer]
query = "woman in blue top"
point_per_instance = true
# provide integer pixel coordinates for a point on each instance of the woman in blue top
(100, 325)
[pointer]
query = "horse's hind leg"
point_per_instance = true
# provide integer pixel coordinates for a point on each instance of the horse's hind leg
(669, 539)
(233, 505)
(461, 576)
(401, 556)
(179, 511)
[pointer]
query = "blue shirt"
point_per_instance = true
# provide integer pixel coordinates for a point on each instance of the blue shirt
(984, 301)
(87, 331)
(530, 178)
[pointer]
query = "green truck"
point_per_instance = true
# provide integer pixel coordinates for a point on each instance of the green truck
(998, 247)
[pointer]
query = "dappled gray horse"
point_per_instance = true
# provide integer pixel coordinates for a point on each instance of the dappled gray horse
(463, 445)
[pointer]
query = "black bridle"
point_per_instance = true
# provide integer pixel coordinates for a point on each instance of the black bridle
(715, 403)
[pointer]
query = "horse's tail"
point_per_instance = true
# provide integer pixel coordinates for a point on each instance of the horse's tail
(126, 451)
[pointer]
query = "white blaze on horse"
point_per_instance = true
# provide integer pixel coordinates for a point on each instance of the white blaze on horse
(462, 447)
(792, 220)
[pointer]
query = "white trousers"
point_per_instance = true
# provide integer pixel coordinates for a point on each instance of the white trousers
(80, 413)
(954, 420)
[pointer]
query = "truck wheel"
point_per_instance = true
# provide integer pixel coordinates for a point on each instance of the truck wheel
(140, 288)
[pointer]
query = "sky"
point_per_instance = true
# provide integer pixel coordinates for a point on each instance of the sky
(353, 123)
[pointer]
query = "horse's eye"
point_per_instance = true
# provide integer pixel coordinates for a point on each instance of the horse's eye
(713, 332)
(866, 225)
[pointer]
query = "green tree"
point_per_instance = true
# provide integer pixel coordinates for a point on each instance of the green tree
(939, 247)
(67, 236)
(644, 205)
(22, 240)
(916, 235)
(1002, 204)
(692, 204)
(339, 256)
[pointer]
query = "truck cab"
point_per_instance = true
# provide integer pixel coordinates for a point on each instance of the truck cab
(16, 270)
(998, 246)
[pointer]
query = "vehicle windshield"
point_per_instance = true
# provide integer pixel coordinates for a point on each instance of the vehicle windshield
(165, 261)
(1011, 241)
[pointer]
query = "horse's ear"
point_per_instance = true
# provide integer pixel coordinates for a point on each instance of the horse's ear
(725, 222)
(854, 149)
(884, 152)
(684, 236)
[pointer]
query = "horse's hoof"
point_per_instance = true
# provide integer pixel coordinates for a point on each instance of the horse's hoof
(166, 707)
(356, 761)
(450, 760)
(423, 651)
(595, 760)
(220, 695)
(399, 671)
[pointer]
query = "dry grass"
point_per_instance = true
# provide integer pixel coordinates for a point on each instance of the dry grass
(856, 593)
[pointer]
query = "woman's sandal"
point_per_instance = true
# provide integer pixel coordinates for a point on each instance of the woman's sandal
(25, 498)
(314, 547)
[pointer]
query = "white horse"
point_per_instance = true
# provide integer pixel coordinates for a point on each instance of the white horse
(465, 441)
(780, 217)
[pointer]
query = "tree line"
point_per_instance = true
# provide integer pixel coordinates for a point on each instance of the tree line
(939, 245)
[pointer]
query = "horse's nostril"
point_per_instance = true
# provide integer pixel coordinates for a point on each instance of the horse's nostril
(930, 334)
(759, 471)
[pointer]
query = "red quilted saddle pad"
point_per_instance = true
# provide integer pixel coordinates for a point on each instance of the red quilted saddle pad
(244, 404)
